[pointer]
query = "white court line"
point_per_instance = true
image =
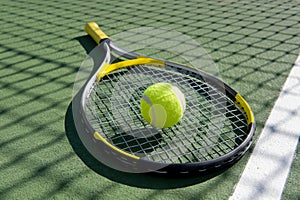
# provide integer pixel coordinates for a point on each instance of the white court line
(268, 167)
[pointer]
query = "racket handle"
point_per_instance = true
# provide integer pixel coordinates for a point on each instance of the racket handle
(95, 32)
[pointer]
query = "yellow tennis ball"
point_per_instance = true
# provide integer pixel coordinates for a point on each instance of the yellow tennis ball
(162, 105)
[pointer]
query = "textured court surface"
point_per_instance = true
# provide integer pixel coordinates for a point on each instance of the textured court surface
(42, 44)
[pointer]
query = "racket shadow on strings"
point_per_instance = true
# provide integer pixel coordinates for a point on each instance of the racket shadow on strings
(141, 180)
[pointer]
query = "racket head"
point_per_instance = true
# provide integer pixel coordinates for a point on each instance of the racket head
(121, 138)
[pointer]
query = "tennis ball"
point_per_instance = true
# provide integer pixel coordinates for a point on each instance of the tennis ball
(162, 105)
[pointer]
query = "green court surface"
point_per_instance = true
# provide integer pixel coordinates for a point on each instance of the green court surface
(253, 43)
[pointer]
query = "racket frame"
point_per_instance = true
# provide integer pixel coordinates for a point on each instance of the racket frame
(133, 163)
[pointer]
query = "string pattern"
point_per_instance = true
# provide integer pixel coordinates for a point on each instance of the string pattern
(212, 125)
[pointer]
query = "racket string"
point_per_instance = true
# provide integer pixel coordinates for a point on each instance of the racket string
(209, 129)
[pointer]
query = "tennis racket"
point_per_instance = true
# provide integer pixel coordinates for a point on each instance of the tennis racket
(215, 132)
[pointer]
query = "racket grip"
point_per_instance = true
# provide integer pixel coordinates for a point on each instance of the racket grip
(95, 32)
